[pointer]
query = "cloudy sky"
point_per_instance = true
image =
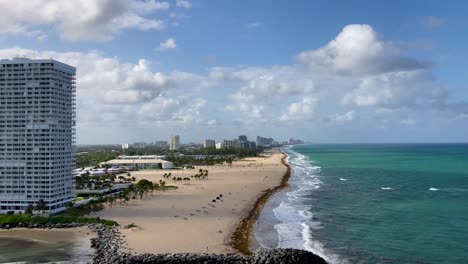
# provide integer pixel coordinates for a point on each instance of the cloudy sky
(323, 71)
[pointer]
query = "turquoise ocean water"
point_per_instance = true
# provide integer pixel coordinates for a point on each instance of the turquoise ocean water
(373, 204)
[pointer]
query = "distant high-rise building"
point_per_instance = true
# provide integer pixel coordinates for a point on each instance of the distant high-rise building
(231, 143)
(140, 145)
(161, 144)
(247, 144)
(261, 141)
(295, 141)
(209, 143)
(242, 138)
(37, 128)
(174, 143)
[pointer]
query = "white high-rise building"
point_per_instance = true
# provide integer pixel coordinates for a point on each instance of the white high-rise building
(174, 142)
(37, 134)
(209, 143)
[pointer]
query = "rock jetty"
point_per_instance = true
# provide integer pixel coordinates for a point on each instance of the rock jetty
(109, 248)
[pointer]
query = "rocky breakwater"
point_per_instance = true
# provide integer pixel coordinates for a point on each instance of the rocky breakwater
(44, 226)
(109, 248)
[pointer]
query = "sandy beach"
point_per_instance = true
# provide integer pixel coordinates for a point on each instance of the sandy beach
(187, 219)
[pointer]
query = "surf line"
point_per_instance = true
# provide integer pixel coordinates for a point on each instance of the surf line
(241, 238)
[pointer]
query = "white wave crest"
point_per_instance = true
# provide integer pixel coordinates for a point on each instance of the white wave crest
(343, 179)
(433, 189)
(387, 188)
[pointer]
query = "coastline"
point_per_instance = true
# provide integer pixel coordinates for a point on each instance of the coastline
(252, 182)
(193, 218)
(242, 237)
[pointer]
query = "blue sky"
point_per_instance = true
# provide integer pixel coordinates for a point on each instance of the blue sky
(323, 71)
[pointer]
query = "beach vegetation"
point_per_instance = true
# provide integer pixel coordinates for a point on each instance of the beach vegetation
(130, 226)
(53, 219)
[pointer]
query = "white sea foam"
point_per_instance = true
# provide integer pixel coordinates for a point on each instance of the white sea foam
(317, 247)
(343, 179)
(387, 188)
(294, 213)
(433, 189)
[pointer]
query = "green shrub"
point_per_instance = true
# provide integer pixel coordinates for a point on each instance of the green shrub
(14, 219)
(39, 220)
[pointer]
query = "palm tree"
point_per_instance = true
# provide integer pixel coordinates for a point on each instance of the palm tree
(163, 185)
(41, 205)
(29, 209)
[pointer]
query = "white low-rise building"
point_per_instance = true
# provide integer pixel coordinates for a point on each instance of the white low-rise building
(140, 163)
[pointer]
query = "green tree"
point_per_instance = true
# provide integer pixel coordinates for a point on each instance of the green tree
(41, 205)
(29, 209)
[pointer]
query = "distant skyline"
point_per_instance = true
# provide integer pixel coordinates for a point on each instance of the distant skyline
(321, 71)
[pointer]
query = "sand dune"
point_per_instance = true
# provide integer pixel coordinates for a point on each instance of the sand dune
(187, 219)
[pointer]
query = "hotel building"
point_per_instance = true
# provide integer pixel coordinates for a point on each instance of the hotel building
(37, 127)
(174, 143)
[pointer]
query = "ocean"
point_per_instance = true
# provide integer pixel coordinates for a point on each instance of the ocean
(376, 203)
(29, 246)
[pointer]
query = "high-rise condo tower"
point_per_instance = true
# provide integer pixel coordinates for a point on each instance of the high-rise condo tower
(37, 134)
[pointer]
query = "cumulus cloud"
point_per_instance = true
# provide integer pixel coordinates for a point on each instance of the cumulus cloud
(358, 72)
(84, 20)
(109, 90)
(171, 111)
(357, 69)
(300, 111)
(168, 44)
(183, 4)
(261, 87)
(410, 89)
(359, 50)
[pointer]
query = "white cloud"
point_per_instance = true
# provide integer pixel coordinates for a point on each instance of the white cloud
(183, 4)
(356, 73)
(300, 111)
(168, 44)
(358, 50)
(85, 20)
(111, 91)
(171, 111)
(340, 119)
(433, 22)
(355, 70)
(261, 87)
(411, 89)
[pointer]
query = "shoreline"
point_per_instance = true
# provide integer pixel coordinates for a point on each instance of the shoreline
(242, 237)
(202, 215)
